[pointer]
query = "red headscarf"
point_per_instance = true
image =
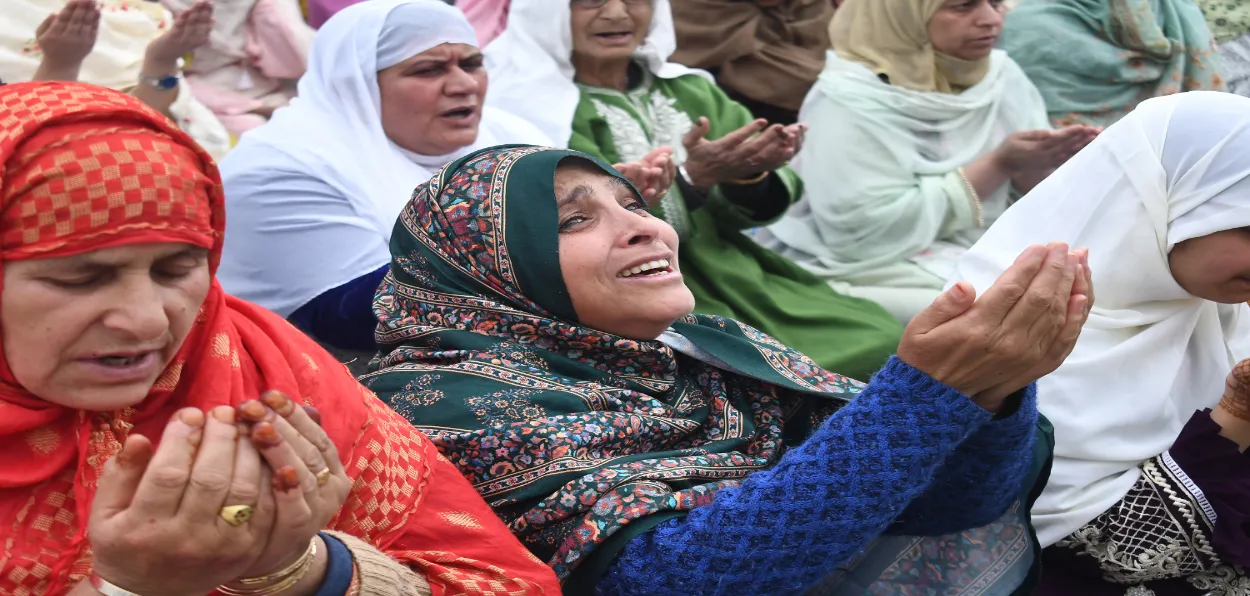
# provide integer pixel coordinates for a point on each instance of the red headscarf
(84, 168)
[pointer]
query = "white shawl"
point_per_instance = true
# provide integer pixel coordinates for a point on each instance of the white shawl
(1151, 354)
(878, 168)
(531, 63)
(312, 196)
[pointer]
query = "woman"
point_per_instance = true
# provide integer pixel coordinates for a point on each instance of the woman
(593, 74)
(536, 322)
(1094, 61)
(921, 135)
(1229, 21)
(1150, 491)
(765, 54)
(128, 376)
(257, 51)
(129, 45)
(393, 92)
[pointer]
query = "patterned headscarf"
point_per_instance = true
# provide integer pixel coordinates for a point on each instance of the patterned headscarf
(84, 168)
(481, 348)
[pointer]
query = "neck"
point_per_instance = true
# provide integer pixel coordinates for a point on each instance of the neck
(613, 74)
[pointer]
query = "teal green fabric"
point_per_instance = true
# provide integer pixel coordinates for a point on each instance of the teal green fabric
(1095, 60)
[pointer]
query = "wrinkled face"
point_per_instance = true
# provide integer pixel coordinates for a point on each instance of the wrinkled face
(966, 29)
(94, 331)
(609, 30)
(1214, 267)
(619, 262)
(432, 102)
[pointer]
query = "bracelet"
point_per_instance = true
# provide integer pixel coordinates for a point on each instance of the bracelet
(977, 210)
(749, 181)
(108, 588)
(277, 582)
(685, 176)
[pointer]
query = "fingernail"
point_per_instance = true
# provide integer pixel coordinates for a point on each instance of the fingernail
(265, 435)
(224, 414)
(191, 417)
(314, 414)
(279, 402)
(286, 479)
(957, 291)
(252, 411)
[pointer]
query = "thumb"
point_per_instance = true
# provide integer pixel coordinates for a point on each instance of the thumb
(121, 476)
(696, 133)
(43, 27)
(950, 304)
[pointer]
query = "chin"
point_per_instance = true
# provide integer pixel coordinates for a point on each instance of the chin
(101, 398)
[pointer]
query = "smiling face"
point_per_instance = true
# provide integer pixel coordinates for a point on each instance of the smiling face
(1214, 267)
(94, 331)
(966, 29)
(609, 31)
(619, 262)
(432, 102)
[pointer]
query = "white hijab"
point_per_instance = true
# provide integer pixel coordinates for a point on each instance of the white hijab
(329, 142)
(1151, 354)
(531, 63)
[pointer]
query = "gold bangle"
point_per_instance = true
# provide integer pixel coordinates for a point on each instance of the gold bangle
(277, 582)
(749, 181)
(978, 212)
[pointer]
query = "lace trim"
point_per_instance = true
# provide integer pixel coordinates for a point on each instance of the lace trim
(1190, 487)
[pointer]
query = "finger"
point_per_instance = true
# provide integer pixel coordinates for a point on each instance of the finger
(948, 305)
(45, 25)
(739, 136)
(999, 299)
(213, 470)
(247, 481)
(1088, 287)
(309, 439)
(1042, 310)
(161, 490)
(313, 414)
(696, 132)
(121, 476)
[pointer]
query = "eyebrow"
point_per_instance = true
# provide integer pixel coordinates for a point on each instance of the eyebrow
(88, 262)
(436, 60)
(576, 195)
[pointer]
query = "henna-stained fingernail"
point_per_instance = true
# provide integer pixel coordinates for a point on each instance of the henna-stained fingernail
(279, 402)
(265, 435)
(252, 411)
(285, 479)
(314, 414)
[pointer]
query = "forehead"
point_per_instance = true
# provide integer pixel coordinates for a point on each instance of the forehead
(579, 172)
(445, 53)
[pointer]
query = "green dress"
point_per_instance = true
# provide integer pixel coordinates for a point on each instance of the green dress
(730, 275)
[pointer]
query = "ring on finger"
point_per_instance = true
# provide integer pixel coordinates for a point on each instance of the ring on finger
(323, 477)
(237, 515)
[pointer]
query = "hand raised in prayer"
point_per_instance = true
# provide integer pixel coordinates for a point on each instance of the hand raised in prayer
(66, 38)
(742, 154)
(1233, 411)
(191, 29)
(1042, 150)
(1023, 328)
(653, 174)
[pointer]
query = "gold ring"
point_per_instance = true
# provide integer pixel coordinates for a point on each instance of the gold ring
(236, 515)
(323, 477)
(661, 195)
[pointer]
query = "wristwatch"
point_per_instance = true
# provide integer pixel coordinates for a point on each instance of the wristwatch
(164, 83)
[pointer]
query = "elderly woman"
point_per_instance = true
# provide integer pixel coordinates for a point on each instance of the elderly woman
(922, 134)
(536, 323)
(137, 458)
(1094, 61)
(393, 92)
(593, 74)
(765, 54)
(1150, 492)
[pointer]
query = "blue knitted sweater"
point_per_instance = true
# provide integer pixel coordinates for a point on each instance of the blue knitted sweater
(908, 456)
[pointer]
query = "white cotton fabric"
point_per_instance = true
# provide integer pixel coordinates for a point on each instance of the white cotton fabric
(1151, 354)
(313, 195)
(531, 63)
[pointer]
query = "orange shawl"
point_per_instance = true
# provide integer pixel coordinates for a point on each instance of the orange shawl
(83, 168)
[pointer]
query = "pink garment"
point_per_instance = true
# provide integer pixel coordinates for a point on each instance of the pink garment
(320, 11)
(488, 17)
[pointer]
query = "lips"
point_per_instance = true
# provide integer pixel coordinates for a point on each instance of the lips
(460, 113)
(652, 267)
(615, 36)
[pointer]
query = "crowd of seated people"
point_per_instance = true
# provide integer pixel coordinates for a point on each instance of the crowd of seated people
(837, 297)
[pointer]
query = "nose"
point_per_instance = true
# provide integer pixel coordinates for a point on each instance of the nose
(460, 82)
(639, 228)
(137, 309)
(613, 10)
(989, 14)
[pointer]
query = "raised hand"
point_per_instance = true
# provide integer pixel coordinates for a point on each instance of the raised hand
(653, 175)
(66, 38)
(191, 29)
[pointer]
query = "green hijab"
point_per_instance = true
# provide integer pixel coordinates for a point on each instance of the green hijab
(578, 438)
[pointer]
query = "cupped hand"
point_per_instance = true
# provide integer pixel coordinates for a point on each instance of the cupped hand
(652, 175)
(67, 37)
(1021, 329)
(742, 154)
(1034, 150)
(156, 524)
(310, 483)
(191, 29)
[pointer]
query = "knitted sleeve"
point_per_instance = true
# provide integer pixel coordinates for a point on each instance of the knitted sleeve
(786, 527)
(343, 316)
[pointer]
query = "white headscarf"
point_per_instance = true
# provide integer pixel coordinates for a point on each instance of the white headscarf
(531, 62)
(312, 196)
(1151, 354)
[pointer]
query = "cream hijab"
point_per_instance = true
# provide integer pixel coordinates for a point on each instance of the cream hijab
(891, 37)
(1151, 354)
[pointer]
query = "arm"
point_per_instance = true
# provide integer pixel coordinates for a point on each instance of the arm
(343, 317)
(818, 507)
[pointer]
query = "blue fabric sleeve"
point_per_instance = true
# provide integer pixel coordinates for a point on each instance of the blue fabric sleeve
(339, 569)
(980, 480)
(786, 527)
(343, 317)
